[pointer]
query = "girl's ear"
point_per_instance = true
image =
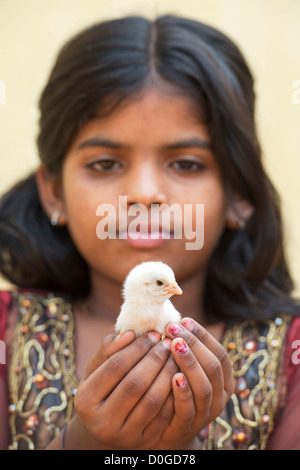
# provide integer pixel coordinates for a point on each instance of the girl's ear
(239, 210)
(51, 196)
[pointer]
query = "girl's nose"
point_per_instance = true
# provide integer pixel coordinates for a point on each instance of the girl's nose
(145, 186)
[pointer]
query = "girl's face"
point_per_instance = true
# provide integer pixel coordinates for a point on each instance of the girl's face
(154, 150)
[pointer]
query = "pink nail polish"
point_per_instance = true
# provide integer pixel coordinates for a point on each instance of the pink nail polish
(181, 346)
(188, 324)
(180, 381)
(174, 329)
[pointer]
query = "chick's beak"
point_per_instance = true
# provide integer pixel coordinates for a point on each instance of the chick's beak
(173, 288)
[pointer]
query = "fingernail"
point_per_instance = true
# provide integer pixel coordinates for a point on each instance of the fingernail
(154, 336)
(181, 346)
(167, 343)
(188, 323)
(123, 334)
(180, 381)
(174, 328)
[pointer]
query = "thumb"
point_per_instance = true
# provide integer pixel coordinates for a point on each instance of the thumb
(109, 346)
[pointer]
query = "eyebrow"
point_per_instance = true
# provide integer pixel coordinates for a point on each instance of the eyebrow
(101, 142)
(192, 142)
(98, 141)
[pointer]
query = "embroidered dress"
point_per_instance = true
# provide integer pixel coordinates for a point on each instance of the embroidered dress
(248, 418)
(42, 378)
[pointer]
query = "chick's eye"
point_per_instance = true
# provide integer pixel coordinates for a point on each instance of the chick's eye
(159, 283)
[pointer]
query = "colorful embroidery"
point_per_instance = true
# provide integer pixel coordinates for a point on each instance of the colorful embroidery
(42, 373)
(248, 419)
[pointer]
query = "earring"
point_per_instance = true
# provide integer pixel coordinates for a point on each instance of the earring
(55, 218)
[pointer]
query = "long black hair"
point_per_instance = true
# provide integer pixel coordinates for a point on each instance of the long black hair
(94, 73)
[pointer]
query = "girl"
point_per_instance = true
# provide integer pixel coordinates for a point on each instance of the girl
(161, 112)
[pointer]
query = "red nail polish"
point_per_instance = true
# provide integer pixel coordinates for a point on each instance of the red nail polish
(181, 346)
(180, 381)
(188, 324)
(174, 329)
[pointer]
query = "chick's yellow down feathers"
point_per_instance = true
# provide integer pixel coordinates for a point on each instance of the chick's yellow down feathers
(146, 292)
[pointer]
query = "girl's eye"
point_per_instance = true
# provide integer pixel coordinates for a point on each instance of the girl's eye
(104, 165)
(188, 166)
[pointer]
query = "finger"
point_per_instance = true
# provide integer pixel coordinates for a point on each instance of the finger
(215, 347)
(106, 377)
(183, 401)
(191, 368)
(212, 368)
(184, 410)
(152, 402)
(110, 345)
(184, 330)
(161, 421)
(136, 383)
(208, 361)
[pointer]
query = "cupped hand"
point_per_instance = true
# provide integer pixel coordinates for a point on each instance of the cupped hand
(125, 398)
(136, 395)
(201, 388)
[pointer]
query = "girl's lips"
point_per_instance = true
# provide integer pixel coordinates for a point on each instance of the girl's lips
(145, 239)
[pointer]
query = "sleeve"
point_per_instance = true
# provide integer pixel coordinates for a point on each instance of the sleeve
(286, 435)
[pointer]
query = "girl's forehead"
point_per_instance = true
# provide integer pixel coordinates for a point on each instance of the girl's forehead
(154, 115)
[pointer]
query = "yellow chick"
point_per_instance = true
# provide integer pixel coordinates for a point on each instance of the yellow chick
(146, 292)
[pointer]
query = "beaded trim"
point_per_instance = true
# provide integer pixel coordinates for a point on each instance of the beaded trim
(42, 373)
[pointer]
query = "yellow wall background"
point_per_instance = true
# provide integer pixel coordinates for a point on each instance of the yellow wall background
(268, 32)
